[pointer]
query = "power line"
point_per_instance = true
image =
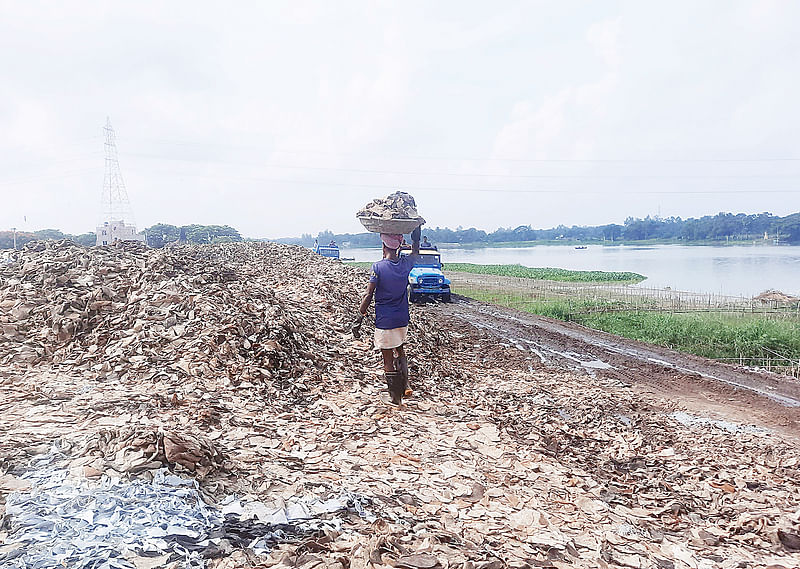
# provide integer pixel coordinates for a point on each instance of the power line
(463, 174)
(570, 160)
(473, 159)
(323, 184)
(46, 177)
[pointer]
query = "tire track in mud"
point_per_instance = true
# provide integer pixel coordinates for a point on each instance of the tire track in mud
(748, 394)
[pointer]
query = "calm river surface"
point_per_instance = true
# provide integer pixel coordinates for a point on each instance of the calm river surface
(734, 270)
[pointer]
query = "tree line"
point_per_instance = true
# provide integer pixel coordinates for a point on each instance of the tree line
(723, 227)
(162, 234)
(156, 236)
(23, 237)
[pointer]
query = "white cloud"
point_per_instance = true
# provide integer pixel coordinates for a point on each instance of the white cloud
(563, 125)
(604, 36)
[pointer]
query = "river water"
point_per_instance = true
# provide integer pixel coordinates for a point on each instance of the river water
(733, 270)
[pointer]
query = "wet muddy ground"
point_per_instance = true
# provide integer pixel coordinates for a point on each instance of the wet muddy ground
(739, 393)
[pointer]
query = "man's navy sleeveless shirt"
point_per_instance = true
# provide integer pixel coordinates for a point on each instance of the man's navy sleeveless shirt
(391, 298)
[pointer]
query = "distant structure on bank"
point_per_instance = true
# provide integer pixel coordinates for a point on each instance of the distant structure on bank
(116, 221)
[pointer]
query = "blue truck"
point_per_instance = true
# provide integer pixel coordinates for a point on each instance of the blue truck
(331, 251)
(426, 279)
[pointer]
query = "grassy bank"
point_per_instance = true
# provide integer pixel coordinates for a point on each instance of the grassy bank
(751, 339)
(562, 275)
(719, 336)
(360, 264)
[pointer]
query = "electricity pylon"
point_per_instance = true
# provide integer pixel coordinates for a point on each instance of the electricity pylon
(115, 203)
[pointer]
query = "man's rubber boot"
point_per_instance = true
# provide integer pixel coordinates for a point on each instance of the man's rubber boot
(401, 364)
(394, 380)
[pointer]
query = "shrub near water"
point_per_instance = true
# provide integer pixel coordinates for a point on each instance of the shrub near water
(709, 335)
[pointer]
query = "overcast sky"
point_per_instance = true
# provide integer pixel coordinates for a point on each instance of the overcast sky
(284, 118)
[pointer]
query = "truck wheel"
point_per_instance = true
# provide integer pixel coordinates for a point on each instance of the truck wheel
(412, 297)
(446, 297)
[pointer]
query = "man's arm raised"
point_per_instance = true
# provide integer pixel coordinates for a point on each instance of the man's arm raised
(415, 235)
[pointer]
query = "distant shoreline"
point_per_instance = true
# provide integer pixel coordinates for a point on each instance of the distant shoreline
(567, 243)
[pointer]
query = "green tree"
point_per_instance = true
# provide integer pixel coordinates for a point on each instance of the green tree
(160, 234)
(85, 239)
(7, 239)
(612, 231)
(50, 234)
(789, 228)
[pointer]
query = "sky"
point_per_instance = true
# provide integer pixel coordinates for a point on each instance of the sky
(282, 118)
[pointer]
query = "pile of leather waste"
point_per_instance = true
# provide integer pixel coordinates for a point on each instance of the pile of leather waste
(399, 205)
(777, 298)
(131, 312)
(231, 366)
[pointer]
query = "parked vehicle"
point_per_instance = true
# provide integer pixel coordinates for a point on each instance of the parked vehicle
(331, 251)
(427, 279)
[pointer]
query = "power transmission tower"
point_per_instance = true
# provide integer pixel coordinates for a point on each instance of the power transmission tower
(116, 207)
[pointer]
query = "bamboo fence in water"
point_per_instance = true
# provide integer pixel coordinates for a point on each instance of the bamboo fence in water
(587, 297)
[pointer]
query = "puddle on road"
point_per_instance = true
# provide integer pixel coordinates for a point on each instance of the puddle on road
(588, 365)
(688, 420)
(636, 354)
(525, 345)
(596, 364)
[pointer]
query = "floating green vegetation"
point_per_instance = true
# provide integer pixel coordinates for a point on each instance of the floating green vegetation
(547, 273)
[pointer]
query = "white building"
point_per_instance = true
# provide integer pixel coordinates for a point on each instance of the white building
(117, 230)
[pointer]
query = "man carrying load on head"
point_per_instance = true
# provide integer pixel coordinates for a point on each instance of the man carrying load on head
(388, 284)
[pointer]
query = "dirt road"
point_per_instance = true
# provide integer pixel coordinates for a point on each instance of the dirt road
(735, 393)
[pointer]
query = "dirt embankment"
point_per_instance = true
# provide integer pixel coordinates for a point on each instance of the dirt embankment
(231, 364)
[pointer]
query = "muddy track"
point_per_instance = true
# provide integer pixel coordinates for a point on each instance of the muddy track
(747, 395)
